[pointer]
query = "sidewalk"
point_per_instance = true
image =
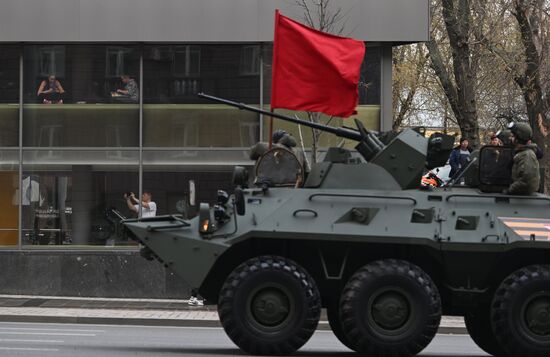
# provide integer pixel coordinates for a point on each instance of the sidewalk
(14, 308)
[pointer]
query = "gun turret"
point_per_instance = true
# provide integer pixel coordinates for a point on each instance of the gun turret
(403, 158)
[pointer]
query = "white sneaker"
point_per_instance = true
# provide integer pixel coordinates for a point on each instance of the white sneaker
(195, 302)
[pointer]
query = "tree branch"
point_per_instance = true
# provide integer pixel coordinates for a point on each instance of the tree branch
(442, 74)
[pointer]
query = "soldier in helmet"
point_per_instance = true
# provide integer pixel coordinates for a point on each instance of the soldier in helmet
(280, 138)
(274, 167)
(525, 168)
(260, 148)
(504, 136)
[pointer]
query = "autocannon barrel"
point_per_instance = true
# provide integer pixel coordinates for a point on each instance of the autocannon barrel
(341, 132)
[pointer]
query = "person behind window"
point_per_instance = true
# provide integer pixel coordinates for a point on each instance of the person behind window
(460, 156)
(148, 207)
(51, 91)
(130, 93)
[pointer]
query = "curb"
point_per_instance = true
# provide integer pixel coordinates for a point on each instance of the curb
(110, 321)
(323, 325)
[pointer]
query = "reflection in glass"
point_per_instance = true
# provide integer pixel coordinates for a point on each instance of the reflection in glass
(93, 108)
(9, 197)
(9, 95)
(175, 117)
(171, 187)
(74, 198)
(370, 77)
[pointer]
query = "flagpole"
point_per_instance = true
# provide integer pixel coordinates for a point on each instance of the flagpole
(274, 67)
(271, 130)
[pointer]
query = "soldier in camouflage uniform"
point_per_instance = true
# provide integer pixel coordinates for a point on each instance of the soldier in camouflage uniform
(525, 169)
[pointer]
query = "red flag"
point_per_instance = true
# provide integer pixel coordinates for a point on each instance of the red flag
(314, 71)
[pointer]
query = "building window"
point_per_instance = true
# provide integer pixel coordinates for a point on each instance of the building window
(194, 186)
(190, 121)
(187, 61)
(9, 196)
(52, 61)
(85, 113)
(115, 61)
(75, 198)
(9, 95)
(250, 60)
(370, 77)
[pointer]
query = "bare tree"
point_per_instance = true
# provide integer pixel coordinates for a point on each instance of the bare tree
(321, 15)
(409, 76)
(458, 83)
(524, 56)
(530, 18)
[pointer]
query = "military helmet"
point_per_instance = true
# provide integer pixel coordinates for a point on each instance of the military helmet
(504, 136)
(277, 135)
(522, 131)
(287, 140)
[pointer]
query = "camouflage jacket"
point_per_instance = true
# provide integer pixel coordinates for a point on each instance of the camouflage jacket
(525, 171)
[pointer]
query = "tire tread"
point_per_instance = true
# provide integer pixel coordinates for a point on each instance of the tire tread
(244, 271)
(502, 303)
(348, 315)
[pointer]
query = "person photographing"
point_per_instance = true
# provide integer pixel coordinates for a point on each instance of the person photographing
(148, 207)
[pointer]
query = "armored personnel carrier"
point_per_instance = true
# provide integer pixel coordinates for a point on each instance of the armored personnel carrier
(361, 238)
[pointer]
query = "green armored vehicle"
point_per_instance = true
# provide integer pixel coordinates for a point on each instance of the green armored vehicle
(361, 238)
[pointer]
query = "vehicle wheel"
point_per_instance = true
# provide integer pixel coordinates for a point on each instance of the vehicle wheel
(269, 305)
(336, 325)
(478, 324)
(520, 313)
(390, 308)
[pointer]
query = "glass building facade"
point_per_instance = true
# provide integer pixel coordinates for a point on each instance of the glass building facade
(66, 160)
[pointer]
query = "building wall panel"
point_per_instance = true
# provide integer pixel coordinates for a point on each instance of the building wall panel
(198, 20)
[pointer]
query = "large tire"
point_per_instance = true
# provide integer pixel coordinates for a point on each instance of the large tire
(390, 308)
(269, 306)
(333, 317)
(478, 324)
(520, 312)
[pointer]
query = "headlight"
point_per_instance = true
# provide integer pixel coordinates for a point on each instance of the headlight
(205, 221)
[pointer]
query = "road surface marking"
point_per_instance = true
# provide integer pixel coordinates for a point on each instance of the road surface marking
(29, 349)
(46, 333)
(49, 329)
(32, 341)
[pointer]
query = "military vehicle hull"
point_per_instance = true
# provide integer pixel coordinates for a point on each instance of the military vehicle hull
(421, 253)
(361, 238)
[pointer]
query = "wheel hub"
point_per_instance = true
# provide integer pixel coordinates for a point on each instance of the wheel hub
(390, 310)
(537, 315)
(270, 307)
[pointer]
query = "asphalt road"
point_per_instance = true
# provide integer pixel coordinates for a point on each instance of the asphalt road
(31, 339)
